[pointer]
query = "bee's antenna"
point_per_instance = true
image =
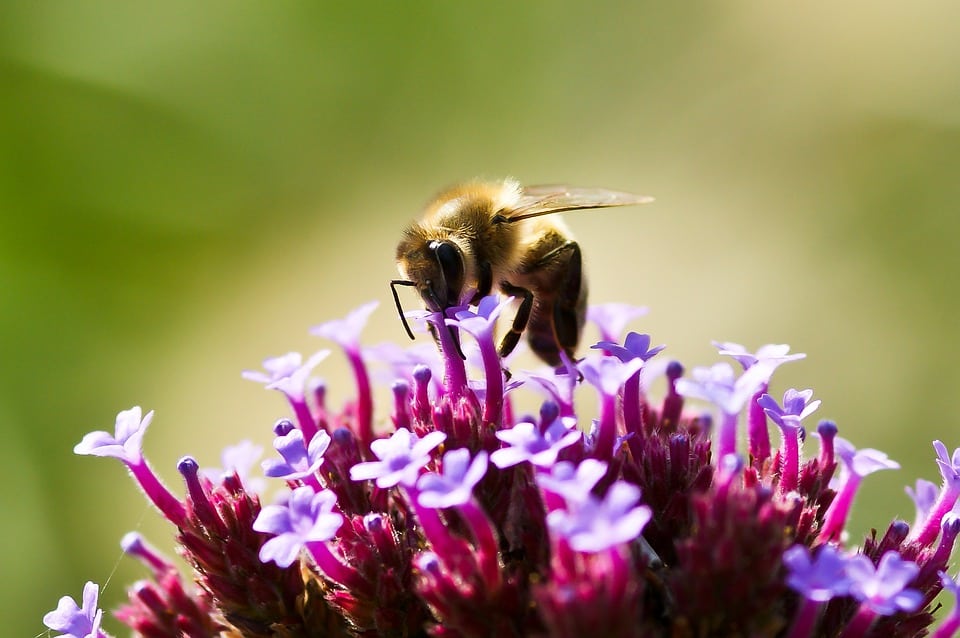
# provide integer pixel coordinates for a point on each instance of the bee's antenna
(396, 299)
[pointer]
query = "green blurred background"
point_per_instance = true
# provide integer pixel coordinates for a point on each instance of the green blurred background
(186, 188)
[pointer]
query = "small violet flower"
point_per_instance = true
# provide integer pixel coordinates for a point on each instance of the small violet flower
(401, 458)
(612, 318)
(608, 375)
(73, 621)
(819, 578)
(635, 346)
(455, 484)
(883, 589)
(924, 495)
(857, 464)
(796, 407)
(308, 517)
(125, 445)
(951, 623)
(770, 353)
(573, 482)
(346, 331)
(527, 443)
(720, 386)
(949, 494)
(299, 460)
(239, 458)
(593, 525)
(767, 358)
(287, 373)
(126, 441)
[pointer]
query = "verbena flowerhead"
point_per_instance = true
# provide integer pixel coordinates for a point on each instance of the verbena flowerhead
(445, 512)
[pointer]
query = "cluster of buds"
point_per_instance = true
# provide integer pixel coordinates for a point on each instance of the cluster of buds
(461, 518)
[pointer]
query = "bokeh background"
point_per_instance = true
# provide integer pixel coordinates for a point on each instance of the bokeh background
(186, 188)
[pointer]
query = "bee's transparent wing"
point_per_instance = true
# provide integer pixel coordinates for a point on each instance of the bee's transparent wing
(556, 198)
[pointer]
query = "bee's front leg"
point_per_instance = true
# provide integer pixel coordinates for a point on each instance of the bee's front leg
(512, 338)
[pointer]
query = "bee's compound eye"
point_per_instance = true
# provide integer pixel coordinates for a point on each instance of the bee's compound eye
(451, 264)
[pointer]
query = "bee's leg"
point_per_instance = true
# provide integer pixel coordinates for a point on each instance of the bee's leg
(569, 310)
(484, 280)
(512, 338)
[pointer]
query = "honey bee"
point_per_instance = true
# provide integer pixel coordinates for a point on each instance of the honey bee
(480, 235)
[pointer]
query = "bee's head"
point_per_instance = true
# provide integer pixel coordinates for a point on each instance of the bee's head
(435, 267)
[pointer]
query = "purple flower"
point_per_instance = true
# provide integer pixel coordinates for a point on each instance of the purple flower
(560, 386)
(308, 517)
(883, 589)
(401, 457)
(720, 386)
(126, 442)
(951, 623)
(287, 373)
(857, 464)
(346, 331)
(947, 498)
(527, 443)
(819, 578)
(949, 465)
(482, 322)
(77, 622)
(455, 485)
(401, 361)
(125, 445)
(299, 460)
(594, 525)
(239, 458)
(635, 346)
(608, 374)
(923, 497)
(573, 482)
(612, 318)
(796, 407)
(771, 353)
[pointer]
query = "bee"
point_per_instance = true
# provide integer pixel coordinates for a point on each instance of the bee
(484, 235)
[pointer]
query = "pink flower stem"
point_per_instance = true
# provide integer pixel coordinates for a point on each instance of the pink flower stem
(607, 432)
(455, 374)
(727, 436)
(493, 402)
(790, 458)
(860, 624)
(486, 540)
(806, 619)
(308, 425)
(927, 533)
(168, 504)
(336, 571)
(364, 398)
(836, 516)
(631, 405)
(757, 434)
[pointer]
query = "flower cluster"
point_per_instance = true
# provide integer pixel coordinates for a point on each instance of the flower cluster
(458, 517)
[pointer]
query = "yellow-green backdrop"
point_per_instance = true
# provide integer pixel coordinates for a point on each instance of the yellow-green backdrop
(186, 187)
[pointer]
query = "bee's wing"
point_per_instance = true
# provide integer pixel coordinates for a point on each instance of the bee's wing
(545, 200)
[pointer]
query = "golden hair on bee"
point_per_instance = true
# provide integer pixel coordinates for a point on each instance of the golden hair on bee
(480, 236)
